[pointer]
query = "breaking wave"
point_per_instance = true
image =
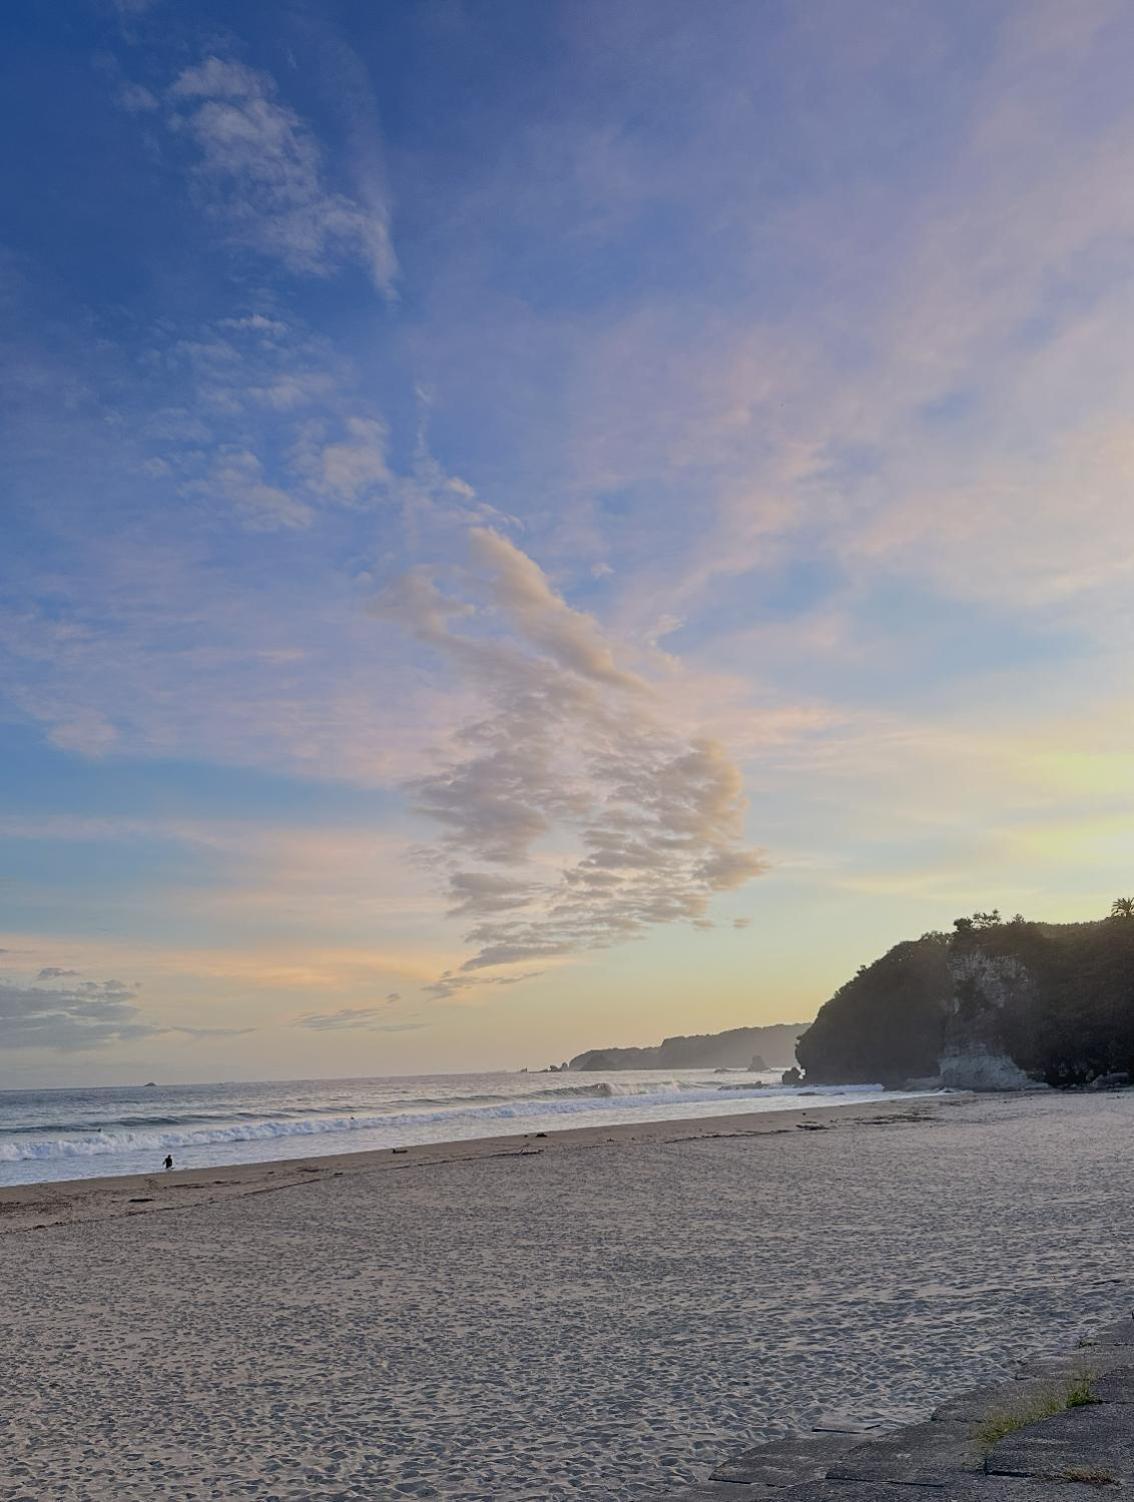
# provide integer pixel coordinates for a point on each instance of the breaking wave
(549, 1106)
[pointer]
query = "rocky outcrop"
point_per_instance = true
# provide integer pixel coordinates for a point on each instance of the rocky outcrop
(738, 1048)
(980, 1069)
(992, 1006)
(984, 987)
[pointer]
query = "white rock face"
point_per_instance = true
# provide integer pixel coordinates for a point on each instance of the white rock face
(973, 1058)
(994, 979)
(980, 1069)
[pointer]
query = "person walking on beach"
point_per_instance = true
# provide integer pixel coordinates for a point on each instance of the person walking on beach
(169, 1160)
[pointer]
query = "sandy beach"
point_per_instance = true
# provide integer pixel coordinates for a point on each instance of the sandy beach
(598, 1314)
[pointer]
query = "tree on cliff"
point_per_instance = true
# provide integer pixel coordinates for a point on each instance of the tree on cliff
(980, 921)
(1122, 907)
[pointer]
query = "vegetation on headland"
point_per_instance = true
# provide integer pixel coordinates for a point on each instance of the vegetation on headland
(1057, 998)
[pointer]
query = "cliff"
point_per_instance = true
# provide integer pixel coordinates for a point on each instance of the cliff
(991, 1006)
(738, 1048)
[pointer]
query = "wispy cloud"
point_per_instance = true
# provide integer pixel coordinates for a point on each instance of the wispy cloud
(347, 468)
(262, 172)
(205, 1033)
(62, 1011)
(239, 476)
(450, 983)
(368, 1018)
(90, 1014)
(575, 751)
(136, 99)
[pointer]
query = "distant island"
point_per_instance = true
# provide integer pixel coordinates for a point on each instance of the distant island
(739, 1048)
(992, 1005)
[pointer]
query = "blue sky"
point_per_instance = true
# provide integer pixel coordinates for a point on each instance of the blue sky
(529, 527)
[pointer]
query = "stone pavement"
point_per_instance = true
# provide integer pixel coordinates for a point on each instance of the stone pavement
(989, 1445)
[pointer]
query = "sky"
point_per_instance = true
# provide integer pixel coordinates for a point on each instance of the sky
(534, 527)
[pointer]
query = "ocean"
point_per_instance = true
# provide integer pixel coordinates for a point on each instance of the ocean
(81, 1134)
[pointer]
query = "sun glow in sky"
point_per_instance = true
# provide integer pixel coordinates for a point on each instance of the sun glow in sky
(528, 527)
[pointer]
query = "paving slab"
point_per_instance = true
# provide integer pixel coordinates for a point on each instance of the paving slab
(1120, 1333)
(800, 1457)
(1091, 1361)
(962, 1489)
(1116, 1386)
(845, 1423)
(923, 1455)
(1098, 1440)
(723, 1491)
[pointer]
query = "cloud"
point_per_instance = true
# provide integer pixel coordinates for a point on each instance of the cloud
(521, 590)
(575, 813)
(274, 403)
(262, 172)
(347, 469)
(136, 99)
(131, 642)
(241, 367)
(345, 1017)
(85, 731)
(239, 478)
(452, 982)
(355, 1017)
(212, 1032)
(255, 323)
(85, 1016)
(983, 444)
(54, 972)
(484, 892)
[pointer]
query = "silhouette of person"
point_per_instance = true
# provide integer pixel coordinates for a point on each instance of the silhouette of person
(169, 1160)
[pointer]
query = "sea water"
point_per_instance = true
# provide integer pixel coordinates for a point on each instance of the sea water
(77, 1134)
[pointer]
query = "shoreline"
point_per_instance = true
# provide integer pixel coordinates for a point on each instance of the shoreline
(41, 1206)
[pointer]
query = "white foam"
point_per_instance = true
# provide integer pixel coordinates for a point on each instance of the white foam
(548, 1107)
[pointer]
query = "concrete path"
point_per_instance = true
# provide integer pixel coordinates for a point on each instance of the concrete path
(1063, 1431)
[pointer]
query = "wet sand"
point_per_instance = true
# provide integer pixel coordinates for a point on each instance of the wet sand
(599, 1314)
